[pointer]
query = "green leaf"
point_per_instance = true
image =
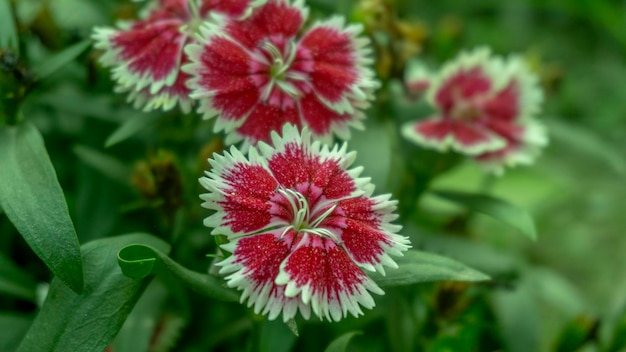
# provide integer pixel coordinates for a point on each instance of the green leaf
(55, 62)
(139, 327)
(341, 343)
(13, 327)
(138, 261)
(15, 282)
(130, 127)
(494, 207)
(8, 34)
(415, 267)
(89, 322)
(585, 142)
(33, 200)
(107, 165)
(276, 336)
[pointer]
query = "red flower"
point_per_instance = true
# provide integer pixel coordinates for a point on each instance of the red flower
(486, 109)
(261, 73)
(302, 227)
(146, 54)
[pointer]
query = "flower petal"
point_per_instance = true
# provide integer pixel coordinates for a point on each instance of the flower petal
(253, 267)
(365, 229)
(148, 54)
(231, 8)
(325, 177)
(504, 105)
(221, 80)
(323, 121)
(524, 145)
(444, 134)
(274, 18)
(335, 58)
(323, 275)
(240, 192)
(263, 119)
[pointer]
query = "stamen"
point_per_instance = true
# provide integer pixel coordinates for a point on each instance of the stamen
(323, 216)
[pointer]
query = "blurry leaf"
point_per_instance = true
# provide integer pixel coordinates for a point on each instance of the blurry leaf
(130, 127)
(55, 62)
(518, 317)
(618, 341)
(107, 165)
(77, 14)
(13, 327)
(33, 200)
(583, 141)
(416, 267)
(8, 33)
(15, 282)
(138, 329)
(576, 333)
(139, 261)
(341, 343)
(494, 207)
(89, 322)
(276, 337)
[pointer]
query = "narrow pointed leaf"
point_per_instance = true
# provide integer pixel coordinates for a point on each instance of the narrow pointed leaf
(55, 62)
(494, 207)
(130, 127)
(33, 200)
(89, 322)
(415, 267)
(340, 344)
(8, 32)
(139, 261)
(16, 282)
(107, 165)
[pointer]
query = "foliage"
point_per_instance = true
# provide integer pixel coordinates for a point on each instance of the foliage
(79, 166)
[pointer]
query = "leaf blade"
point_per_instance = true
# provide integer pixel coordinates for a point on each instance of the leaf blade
(89, 322)
(8, 32)
(341, 343)
(417, 267)
(55, 62)
(494, 207)
(138, 261)
(33, 200)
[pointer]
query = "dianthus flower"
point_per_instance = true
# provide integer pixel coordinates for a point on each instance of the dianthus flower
(146, 54)
(302, 227)
(264, 72)
(486, 109)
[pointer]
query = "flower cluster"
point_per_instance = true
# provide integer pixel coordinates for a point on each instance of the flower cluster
(249, 63)
(147, 54)
(302, 227)
(486, 108)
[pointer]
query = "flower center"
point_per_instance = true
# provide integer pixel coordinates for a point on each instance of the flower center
(280, 63)
(466, 109)
(302, 219)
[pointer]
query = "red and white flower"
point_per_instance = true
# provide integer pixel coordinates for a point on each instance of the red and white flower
(146, 55)
(264, 72)
(486, 109)
(302, 227)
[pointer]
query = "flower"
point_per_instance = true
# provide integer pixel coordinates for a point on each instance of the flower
(146, 55)
(302, 227)
(486, 109)
(260, 73)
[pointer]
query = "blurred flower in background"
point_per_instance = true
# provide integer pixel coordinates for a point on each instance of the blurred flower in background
(486, 109)
(146, 54)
